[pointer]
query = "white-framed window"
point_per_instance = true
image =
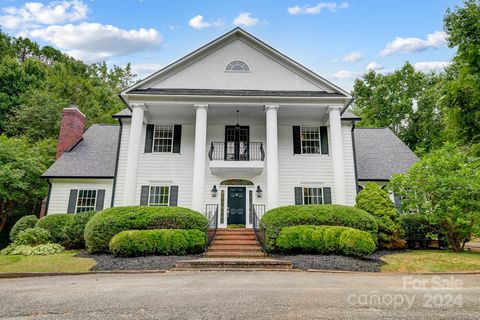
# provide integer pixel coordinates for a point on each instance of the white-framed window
(86, 200)
(312, 195)
(310, 139)
(159, 196)
(163, 138)
(237, 66)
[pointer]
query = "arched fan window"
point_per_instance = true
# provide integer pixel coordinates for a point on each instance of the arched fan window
(237, 66)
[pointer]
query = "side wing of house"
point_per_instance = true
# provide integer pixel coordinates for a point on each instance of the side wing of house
(82, 178)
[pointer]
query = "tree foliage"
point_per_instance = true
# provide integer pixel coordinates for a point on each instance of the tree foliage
(445, 187)
(376, 201)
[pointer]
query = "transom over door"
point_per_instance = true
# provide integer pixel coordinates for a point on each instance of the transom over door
(237, 143)
(236, 205)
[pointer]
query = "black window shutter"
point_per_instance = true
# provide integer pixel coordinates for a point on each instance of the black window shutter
(100, 200)
(298, 196)
(72, 201)
(324, 139)
(327, 195)
(149, 138)
(297, 143)
(177, 138)
(144, 195)
(173, 196)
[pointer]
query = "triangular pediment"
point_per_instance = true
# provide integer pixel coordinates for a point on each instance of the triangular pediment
(268, 69)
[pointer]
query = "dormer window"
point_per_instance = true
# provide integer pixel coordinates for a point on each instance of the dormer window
(237, 66)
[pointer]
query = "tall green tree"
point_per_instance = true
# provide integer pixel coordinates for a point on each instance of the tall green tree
(462, 98)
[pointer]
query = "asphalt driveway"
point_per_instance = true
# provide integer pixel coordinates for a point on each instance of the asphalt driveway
(241, 295)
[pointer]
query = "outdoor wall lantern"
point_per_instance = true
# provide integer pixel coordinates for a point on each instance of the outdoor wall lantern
(214, 191)
(259, 192)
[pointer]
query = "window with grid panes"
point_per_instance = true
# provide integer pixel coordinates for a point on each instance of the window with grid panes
(310, 137)
(159, 196)
(163, 138)
(86, 200)
(312, 196)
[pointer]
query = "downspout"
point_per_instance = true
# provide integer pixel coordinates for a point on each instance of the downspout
(354, 157)
(116, 161)
(48, 195)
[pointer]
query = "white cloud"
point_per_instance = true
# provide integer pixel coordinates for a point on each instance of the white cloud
(343, 74)
(35, 14)
(409, 45)
(199, 23)
(330, 6)
(352, 57)
(143, 70)
(374, 66)
(431, 66)
(94, 41)
(245, 19)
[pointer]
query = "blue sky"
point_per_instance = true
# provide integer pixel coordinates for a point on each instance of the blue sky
(337, 39)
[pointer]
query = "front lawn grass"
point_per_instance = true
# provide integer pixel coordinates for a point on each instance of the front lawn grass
(431, 261)
(61, 262)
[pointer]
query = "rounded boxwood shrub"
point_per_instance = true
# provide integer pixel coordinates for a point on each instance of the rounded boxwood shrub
(73, 231)
(376, 201)
(356, 243)
(55, 223)
(325, 214)
(159, 241)
(326, 240)
(23, 223)
(32, 237)
(107, 223)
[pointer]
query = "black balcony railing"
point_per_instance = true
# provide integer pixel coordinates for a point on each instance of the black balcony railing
(236, 151)
(258, 226)
(211, 212)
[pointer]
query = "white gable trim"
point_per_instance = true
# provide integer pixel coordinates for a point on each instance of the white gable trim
(233, 35)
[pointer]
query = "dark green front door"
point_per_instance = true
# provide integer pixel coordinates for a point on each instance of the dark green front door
(236, 205)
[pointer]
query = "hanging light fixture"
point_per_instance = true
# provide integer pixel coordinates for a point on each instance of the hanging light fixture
(237, 126)
(259, 192)
(214, 191)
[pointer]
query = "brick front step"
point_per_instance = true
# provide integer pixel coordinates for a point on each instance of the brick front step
(235, 254)
(236, 233)
(229, 264)
(223, 247)
(234, 242)
(234, 237)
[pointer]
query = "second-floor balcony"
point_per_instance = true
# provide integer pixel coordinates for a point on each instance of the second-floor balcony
(230, 157)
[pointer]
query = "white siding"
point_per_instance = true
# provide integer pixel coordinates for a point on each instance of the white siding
(209, 72)
(294, 170)
(60, 193)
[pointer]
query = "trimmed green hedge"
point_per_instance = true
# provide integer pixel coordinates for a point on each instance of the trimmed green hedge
(160, 241)
(107, 223)
(326, 240)
(32, 237)
(74, 230)
(325, 214)
(55, 223)
(22, 224)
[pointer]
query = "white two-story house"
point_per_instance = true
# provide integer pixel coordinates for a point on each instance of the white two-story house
(236, 127)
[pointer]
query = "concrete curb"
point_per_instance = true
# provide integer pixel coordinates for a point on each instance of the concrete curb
(396, 273)
(15, 275)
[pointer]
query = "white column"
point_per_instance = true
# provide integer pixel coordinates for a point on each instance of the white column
(198, 187)
(272, 156)
(337, 153)
(134, 143)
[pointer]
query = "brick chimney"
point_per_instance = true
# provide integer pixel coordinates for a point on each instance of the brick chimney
(71, 129)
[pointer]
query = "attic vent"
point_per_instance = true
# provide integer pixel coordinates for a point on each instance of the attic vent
(237, 66)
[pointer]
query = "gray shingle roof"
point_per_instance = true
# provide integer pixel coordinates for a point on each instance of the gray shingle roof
(234, 92)
(349, 116)
(125, 113)
(380, 154)
(94, 156)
